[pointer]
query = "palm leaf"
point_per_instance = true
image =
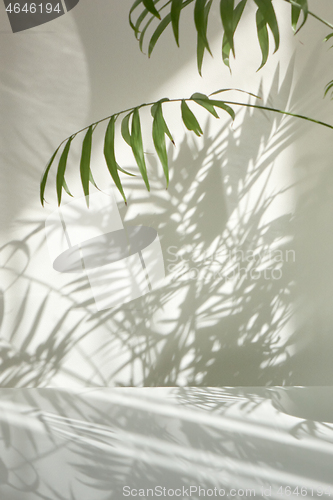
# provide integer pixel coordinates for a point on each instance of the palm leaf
(201, 23)
(230, 17)
(227, 18)
(190, 121)
(171, 18)
(165, 127)
(45, 176)
(62, 168)
(224, 106)
(176, 7)
(140, 20)
(109, 154)
(92, 180)
(328, 37)
(85, 161)
(141, 17)
(262, 37)
(268, 15)
(149, 4)
(66, 188)
(296, 12)
(159, 130)
(158, 32)
(159, 138)
(145, 28)
(235, 90)
(137, 146)
(328, 87)
(143, 32)
(227, 44)
(125, 128)
(203, 100)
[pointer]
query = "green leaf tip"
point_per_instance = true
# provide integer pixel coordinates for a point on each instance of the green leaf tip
(160, 129)
(62, 168)
(109, 155)
(150, 6)
(190, 121)
(201, 12)
(298, 6)
(125, 132)
(262, 37)
(204, 101)
(176, 7)
(45, 176)
(137, 146)
(85, 161)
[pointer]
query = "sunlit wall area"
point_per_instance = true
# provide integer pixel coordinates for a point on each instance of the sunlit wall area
(243, 228)
(160, 442)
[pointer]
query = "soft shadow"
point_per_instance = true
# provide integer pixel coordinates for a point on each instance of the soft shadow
(99, 441)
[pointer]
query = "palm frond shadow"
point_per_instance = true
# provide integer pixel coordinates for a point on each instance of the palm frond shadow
(222, 334)
(32, 349)
(209, 325)
(113, 438)
(200, 328)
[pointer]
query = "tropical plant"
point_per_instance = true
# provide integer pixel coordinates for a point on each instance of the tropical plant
(167, 14)
(230, 17)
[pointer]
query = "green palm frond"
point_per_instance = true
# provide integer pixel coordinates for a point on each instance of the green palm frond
(159, 15)
(132, 135)
(329, 86)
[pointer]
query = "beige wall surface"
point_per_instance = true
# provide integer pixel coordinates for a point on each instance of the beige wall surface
(251, 200)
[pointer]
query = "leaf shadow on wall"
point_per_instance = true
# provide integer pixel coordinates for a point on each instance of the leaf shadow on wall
(102, 440)
(219, 322)
(202, 328)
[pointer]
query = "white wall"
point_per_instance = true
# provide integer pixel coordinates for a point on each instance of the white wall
(262, 184)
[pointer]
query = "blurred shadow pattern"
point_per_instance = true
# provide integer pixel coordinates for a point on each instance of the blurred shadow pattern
(101, 441)
(226, 312)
